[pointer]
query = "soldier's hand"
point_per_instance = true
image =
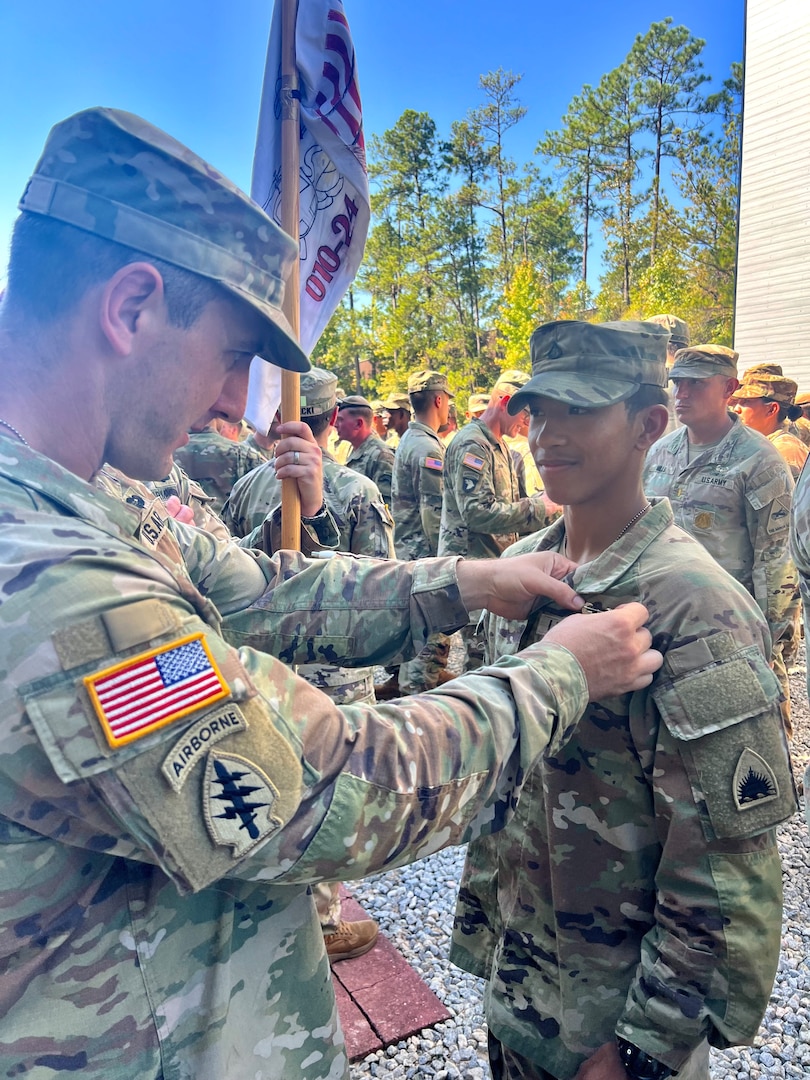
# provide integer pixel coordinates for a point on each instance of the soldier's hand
(510, 587)
(298, 457)
(179, 510)
(605, 1064)
(613, 648)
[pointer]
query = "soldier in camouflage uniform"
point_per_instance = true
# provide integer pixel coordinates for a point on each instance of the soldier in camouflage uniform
(678, 339)
(167, 790)
(800, 551)
(482, 508)
(216, 463)
(397, 416)
(796, 422)
(765, 403)
(630, 912)
(417, 506)
(730, 489)
(369, 455)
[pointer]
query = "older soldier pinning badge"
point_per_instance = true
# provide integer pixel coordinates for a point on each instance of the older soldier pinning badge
(148, 691)
(754, 781)
(238, 801)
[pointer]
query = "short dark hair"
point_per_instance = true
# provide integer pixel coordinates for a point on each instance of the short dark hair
(319, 423)
(644, 397)
(421, 399)
(52, 265)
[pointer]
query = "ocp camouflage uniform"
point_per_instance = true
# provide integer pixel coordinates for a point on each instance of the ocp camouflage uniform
(216, 463)
(791, 448)
(156, 920)
(800, 551)
(637, 890)
(191, 494)
(365, 528)
(416, 503)
(482, 512)
(734, 498)
(250, 440)
(374, 459)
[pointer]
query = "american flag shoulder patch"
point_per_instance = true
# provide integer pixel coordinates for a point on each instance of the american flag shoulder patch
(473, 461)
(148, 691)
(433, 463)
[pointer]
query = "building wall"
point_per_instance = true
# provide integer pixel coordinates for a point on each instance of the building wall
(772, 311)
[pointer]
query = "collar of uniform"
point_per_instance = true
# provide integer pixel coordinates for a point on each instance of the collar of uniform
(487, 433)
(29, 469)
(599, 575)
(417, 425)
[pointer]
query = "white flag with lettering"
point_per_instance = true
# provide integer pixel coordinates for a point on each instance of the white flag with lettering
(333, 182)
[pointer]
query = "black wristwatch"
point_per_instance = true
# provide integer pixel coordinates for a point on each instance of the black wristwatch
(640, 1066)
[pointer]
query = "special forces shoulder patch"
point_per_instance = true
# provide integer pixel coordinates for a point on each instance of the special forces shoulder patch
(238, 802)
(148, 691)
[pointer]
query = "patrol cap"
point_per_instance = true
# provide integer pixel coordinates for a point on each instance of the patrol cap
(354, 401)
(704, 361)
(397, 401)
(678, 329)
(118, 177)
(802, 399)
(763, 369)
(477, 403)
(509, 381)
(594, 364)
(428, 380)
(377, 406)
(318, 392)
(773, 387)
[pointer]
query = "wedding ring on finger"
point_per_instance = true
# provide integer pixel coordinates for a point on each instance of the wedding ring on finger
(296, 456)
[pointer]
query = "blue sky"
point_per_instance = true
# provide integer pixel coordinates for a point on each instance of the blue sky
(196, 69)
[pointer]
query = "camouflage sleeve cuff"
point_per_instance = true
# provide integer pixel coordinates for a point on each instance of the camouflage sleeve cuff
(566, 681)
(436, 597)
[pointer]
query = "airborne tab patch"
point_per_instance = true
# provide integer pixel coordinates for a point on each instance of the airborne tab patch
(238, 803)
(473, 462)
(148, 691)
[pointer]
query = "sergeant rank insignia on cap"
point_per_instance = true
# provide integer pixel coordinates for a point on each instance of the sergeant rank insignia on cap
(148, 691)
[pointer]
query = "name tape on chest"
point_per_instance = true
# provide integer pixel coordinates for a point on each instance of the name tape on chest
(148, 691)
(472, 461)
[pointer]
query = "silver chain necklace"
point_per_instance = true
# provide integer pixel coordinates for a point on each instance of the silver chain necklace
(628, 526)
(11, 427)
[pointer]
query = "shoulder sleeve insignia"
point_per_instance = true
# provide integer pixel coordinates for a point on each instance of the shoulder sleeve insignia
(433, 463)
(148, 691)
(473, 462)
(754, 781)
(238, 803)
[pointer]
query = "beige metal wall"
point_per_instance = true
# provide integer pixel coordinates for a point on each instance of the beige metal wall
(772, 313)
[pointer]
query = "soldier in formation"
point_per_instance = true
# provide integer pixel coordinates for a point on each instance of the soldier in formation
(628, 916)
(216, 462)
(369, 455)
(169, 788)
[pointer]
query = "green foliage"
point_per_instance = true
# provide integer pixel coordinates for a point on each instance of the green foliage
(469, 252)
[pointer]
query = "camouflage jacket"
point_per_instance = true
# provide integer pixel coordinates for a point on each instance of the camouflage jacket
(365, 528)
(790, 447)
(216, 463)
(250, 441)
(374, 459)
(637, 890)
(800, 551)
(156, 845)
(416, 492)
(190, 494)
(735, 499)
(482, 511)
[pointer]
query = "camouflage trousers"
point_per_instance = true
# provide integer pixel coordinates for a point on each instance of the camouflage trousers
(422, 673)
(507, 1064)
(327, 903)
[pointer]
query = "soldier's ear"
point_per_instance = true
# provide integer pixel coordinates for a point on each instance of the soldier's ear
(131, 302)
(654, 420)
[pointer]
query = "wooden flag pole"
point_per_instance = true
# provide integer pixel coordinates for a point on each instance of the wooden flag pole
(290, 380)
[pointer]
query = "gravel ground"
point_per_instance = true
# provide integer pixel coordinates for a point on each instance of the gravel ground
(414, 907)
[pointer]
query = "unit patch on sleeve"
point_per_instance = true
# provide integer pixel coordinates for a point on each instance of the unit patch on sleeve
(238, 802)
(473, 461)
(754, 781)
(197, 740)
(148, 691)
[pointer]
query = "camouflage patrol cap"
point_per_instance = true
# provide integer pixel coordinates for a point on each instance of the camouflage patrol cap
(118, 177)
(773, 387)
(704, 361)
(354, 401)
(377, 406)
(594, 364)
(318, 392)
(428, 380)
(763, 369)
(477, 404)
(802, 399)
(678, 329)
(509, 381)
(397, 401)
